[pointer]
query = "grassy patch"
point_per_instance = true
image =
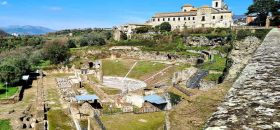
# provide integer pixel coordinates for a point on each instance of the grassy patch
(61, 75)
(58, 120)
(92, 78)
(213, 77)
(111, 91)
(144, 67)
(121, 68)
(10, 92)
(114, 68)
(148, 121)
(88, 88)
(219, 64)
(5, 125)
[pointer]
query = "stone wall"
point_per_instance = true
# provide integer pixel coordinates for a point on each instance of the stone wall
(253, 102)
(183, 76)
(141, 55)
(204, 41)
(136, 53)
(241, 54)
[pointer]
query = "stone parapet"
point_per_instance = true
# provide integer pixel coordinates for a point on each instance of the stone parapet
(253, 102)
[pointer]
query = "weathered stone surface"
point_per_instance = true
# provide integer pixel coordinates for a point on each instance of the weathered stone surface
(241, 54)
(204, 41)
(254, 100)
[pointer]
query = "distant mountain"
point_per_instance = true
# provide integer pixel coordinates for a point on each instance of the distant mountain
(27, 30)
(236, 17)
(3, 34)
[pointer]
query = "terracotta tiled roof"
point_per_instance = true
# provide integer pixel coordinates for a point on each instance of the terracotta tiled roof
(187, 5)
(175, 14)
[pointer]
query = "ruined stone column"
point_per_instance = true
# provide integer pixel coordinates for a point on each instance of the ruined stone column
(99, 74)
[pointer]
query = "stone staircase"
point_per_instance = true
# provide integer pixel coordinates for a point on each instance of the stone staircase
(254, 100)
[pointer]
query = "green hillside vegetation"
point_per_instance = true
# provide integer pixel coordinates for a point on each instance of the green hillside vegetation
(5, 125)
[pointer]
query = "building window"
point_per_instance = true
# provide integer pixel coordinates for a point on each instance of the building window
(158, 19)
(163, 19)
(189, 18)
(185, 18)
(168, 19)
(154, 20)
(217, 4)
(193, 18)
(203, 18)
(214, 17)
(174, 19)
(222, 17)
(185, 10)
(178, 19)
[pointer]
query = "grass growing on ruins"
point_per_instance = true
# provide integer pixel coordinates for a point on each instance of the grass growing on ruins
(218, 64)
(147, 121)
(121, 67)
(57, 117)
(61, 75)
(115, 68)
(88, 88)
(10, 92)
(58, 120)
(193, 112)
(213, 77)
(111, 91)
(5, 125)
(144, 68)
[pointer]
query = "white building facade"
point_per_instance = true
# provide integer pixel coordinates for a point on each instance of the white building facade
(217, 16)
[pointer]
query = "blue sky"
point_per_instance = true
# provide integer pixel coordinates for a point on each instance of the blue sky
(61, 14)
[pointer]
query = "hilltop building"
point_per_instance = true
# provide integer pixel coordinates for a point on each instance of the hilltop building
(216, 16)
(203, 17)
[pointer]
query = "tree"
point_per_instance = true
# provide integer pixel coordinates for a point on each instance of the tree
(165, 27)
(262, 8)
(143, 29)
(71, 43)
(12, 68)
(56, 52)
(91, 40)
(83, 42)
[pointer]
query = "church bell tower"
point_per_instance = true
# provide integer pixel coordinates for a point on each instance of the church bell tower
(218, 4)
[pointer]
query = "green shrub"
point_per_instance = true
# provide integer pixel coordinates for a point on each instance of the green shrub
(261, 33)
(143, 29)
(164, 27)
(134, 42)
(71, 43)
(242, 34)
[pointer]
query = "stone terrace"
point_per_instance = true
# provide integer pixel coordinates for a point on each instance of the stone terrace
(254, 100)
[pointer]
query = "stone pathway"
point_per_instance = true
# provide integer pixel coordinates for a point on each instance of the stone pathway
(254, 100)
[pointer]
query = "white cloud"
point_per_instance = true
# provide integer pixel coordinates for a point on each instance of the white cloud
(4, 3)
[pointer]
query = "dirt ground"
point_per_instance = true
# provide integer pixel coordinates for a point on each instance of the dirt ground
(29, 97)
(193, 112)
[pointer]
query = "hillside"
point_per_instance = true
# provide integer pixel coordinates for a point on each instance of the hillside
(3, 33)
(27, 30)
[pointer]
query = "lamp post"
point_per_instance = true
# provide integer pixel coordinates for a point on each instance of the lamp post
(6, 83)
